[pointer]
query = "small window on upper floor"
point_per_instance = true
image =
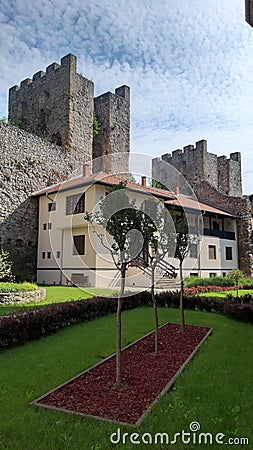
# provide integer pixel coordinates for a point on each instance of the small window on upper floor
(79, 244)
(51, 206)
(212, 251)
(229, 254)
(75, 204)
(44, 226)
(193, 251)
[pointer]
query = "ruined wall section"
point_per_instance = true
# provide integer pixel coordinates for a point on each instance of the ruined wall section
(113, 114)
(57, 105)
(197, 164)
(28, 163)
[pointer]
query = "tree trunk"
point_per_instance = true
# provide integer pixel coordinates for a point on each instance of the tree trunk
(182, 319)
(155, 309)
(118, 383)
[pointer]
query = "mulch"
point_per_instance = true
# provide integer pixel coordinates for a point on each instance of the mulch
(145, 377)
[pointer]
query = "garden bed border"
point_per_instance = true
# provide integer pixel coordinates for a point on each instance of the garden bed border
(36, 402)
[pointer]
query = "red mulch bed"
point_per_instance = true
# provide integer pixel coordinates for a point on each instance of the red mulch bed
(146, 377)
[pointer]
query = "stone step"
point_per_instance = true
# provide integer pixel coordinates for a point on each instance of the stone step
(167, 283)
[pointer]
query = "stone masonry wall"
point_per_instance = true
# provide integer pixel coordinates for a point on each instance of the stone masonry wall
(113, 114)
(28, 163)
(196, 164)
(57, 105)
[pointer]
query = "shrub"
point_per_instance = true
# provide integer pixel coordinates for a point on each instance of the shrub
(5, 267)
(17, 329)
(18, 287)
(217, 281)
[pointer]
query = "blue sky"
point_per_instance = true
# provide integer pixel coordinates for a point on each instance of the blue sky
(189, 64)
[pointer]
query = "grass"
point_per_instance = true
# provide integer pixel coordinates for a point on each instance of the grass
(214, 390)
(56, 294)
(225, 293)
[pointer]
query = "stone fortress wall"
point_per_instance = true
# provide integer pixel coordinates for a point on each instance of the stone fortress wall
(197, 164)
(215, 180)
(50, 135)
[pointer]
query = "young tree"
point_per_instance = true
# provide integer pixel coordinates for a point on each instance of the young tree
(235, 276)
(182, 240)
(121, 219)
(156, 229)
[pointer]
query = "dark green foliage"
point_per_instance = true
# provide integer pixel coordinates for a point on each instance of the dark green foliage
(215, 281)
(20, 328)
(5, 267)
(96, 125)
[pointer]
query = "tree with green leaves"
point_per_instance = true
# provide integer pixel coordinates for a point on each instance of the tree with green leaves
(121, 219)
(235, 276)
(156, 230)
(182, 240)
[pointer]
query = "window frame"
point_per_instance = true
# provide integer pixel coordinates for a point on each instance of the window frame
(212, 247)
(76, 251)
(75, 204)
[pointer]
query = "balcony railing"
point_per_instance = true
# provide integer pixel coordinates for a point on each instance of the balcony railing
(230, 235)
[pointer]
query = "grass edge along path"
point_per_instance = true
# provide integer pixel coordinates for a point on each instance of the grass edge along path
(214, 389)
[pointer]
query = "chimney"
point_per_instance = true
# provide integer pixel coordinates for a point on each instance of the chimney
(176, 190)
(143, 181)
(86, 170)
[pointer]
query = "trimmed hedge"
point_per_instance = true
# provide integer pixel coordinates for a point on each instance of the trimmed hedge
(17, 287)
(17, 329)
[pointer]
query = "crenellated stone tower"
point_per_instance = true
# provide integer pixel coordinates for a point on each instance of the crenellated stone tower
(59, 105)
(55, 111)
(196, 164)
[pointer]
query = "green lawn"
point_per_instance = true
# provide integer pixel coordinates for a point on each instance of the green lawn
(215, 389)
(57, 294)
(225, 293)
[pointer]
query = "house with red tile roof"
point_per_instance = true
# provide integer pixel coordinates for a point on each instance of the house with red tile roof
(70, 252)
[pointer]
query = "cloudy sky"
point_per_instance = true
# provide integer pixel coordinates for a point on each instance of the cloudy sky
(189, 64)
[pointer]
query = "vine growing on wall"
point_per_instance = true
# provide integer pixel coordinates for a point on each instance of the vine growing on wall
(96, 125)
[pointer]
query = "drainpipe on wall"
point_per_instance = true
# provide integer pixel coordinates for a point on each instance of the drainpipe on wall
(61, 260)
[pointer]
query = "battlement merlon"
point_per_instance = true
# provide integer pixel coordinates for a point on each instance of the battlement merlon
(122, 91)
(236, 156)
(68, 62)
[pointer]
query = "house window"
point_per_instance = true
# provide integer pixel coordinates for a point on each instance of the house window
(193, 251)
(49, 255)
(212, 251)
(229, 255)
(49, 226)
(216, 225)
(79, 244)
(58, 254)
(43, 255)
(193, 274)
(51, 206)
(44, 226)
(75, 204)
(212, 274)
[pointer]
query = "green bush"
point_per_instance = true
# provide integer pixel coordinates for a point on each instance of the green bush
(214, 281)
(19, 328)
(18, 287)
